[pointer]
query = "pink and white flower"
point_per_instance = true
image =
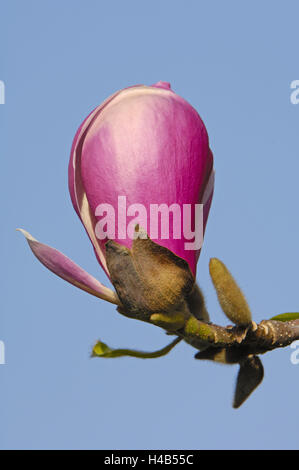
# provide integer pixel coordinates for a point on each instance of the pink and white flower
(144, 143)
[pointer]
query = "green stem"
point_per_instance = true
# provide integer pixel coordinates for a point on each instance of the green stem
(102, 350)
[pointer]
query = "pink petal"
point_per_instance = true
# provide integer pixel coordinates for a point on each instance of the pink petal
(149, 145)
(65, 268)
(76, 188)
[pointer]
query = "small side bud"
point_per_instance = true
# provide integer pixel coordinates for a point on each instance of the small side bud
(230, 296)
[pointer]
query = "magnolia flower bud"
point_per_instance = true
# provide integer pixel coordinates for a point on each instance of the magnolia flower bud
(142, 154)
(140, 159)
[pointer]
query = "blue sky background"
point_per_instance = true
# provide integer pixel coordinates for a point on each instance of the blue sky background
(234, 61)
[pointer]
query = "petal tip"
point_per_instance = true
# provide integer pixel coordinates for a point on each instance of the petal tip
(26, 234)
(161, 84)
